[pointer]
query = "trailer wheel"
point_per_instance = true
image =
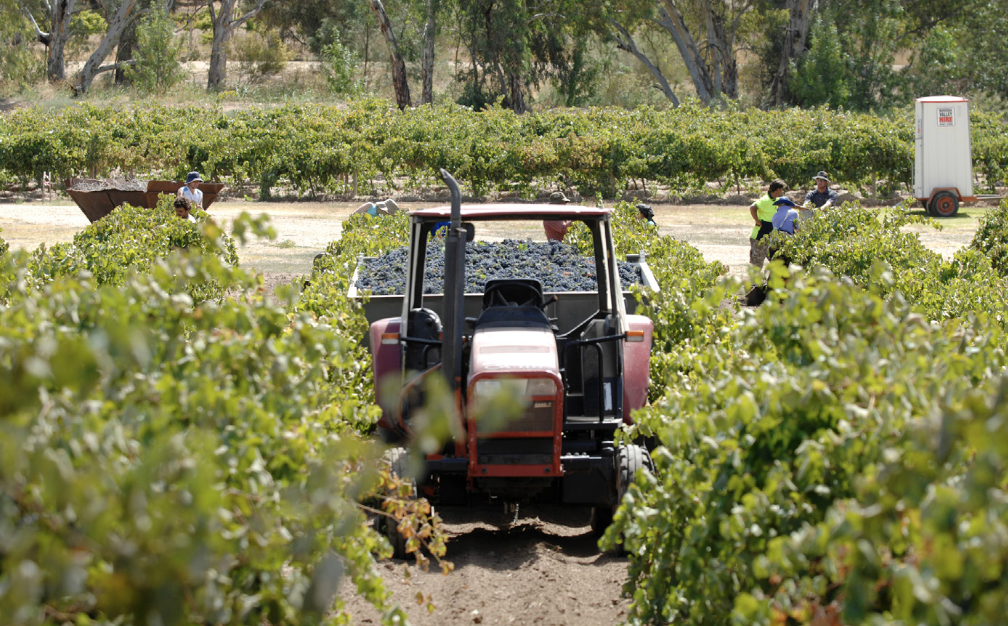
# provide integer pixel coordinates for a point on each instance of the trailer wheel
(944, 204)
(396, 459)
(629, 459)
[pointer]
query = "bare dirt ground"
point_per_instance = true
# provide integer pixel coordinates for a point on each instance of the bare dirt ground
(720, 232)
(544, 567)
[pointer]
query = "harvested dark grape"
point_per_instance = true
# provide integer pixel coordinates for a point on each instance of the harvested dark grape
(557, 265)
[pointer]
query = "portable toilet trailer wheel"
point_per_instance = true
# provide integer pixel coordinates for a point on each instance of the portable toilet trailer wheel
(944, 204)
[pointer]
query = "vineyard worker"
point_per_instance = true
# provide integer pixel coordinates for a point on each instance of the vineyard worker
(556, 229)
(784, 221)
(822, 195)
(191, 190)
(182, 208)
(646, 213)
(762, 212)
(784, 218)
(374, 209)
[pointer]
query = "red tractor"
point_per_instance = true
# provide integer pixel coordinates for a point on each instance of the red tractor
(577, 362)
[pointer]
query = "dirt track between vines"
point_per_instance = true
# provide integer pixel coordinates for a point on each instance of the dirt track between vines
(544, 567)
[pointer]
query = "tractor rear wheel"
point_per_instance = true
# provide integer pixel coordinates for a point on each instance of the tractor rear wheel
(944, 204)
(396, 460)
(601, 518)
(629, 459)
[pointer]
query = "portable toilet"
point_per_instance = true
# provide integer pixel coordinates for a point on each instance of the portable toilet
(943, 156)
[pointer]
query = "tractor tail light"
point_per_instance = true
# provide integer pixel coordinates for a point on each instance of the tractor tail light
(635, 336)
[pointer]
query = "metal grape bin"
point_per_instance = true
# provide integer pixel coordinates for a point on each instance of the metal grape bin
(97, 203)
(568, 310)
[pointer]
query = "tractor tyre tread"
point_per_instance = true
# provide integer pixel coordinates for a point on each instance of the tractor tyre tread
(397, 458)
(629, 459)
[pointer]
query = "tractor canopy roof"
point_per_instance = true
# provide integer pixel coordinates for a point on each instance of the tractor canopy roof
(512, 211)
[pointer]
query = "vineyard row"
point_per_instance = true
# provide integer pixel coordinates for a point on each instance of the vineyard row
(371, 147)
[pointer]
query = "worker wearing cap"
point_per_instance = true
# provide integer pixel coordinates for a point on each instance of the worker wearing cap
(822, 195)
(556, 229)
(191, 190)
(762, 212)
(783, 220)
(646, 213)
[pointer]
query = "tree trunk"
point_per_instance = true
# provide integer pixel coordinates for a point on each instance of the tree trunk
(625, 42)
(124, 52)
(224, 25)
(427, 64)
(671, 19)
(92, 67)
(367, 54)
(517, 94)
(59, 34)
(398, 66)
(794, 44)
(221, 20)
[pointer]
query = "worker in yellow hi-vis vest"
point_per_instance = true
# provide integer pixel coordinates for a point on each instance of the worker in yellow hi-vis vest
(762, 211)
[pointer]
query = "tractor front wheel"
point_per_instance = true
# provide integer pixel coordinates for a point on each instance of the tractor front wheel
(628, 459)
(396, 461)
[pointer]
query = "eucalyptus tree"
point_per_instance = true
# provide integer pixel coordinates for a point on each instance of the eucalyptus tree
(126, 47)
(418, 24)
(118, 14)
(398, 65)
(871, 54)
(156, 52)
(15, 55)
(57, 17)
(795, 37)
(514, 47)
(225, 22)
(706, 33)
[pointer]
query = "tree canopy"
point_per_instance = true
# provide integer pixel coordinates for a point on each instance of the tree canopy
(858, 54)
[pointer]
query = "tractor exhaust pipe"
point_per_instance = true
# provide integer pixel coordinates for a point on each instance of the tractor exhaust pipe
(454, 289)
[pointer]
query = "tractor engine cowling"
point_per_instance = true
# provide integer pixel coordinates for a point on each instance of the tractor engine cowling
(519, 365)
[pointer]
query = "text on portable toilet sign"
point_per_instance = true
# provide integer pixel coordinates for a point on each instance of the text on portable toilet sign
(945, 116)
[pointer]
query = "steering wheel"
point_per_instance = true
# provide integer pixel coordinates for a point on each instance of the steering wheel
(497, 298)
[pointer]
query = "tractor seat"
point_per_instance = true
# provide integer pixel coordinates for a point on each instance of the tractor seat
(512, 292)
(513, 317)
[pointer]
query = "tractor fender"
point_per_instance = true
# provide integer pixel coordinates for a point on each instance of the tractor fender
(636, 366)
(386, 365)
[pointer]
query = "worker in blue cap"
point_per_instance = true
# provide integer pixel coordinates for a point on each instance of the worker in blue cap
(783, 220)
